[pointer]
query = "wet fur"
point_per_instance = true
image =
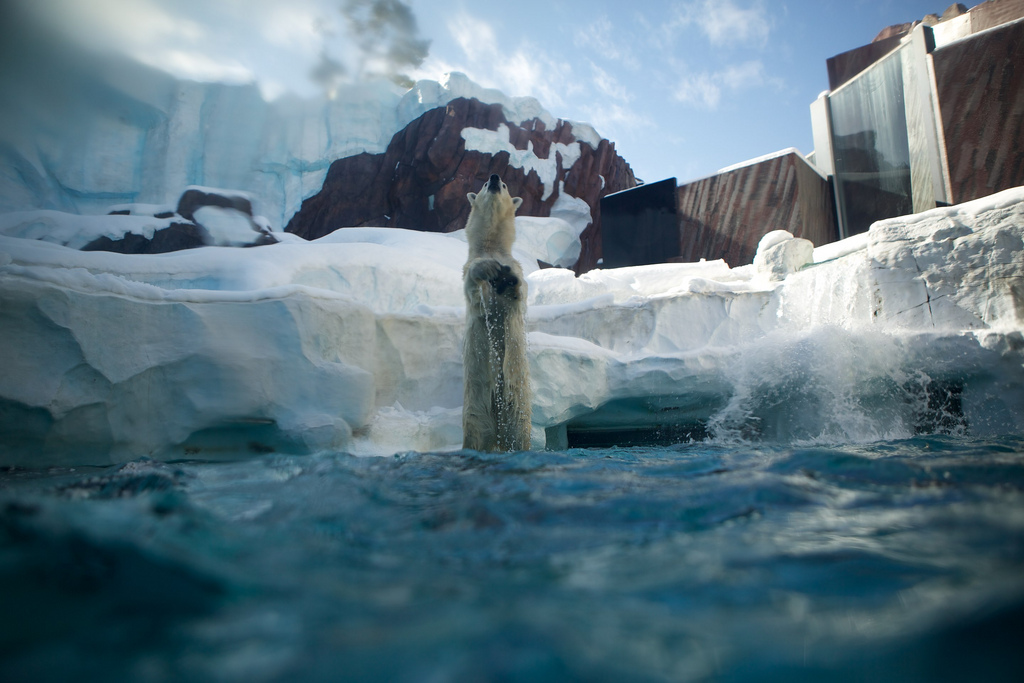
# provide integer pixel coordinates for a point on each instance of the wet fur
(496, 398)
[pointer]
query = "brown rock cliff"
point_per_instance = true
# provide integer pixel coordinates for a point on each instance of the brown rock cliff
(421, 181)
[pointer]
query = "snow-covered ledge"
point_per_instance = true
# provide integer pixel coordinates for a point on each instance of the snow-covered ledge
(353, 342)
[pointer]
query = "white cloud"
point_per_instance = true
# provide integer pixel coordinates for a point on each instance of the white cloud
(197, 66)
(699, 89)
(608, 109)
(608, 84)
(616, 121)
(292, 27)
(724, 22)
(211, 40)
(160, 34)
(597, 95)
(129, 24)
(475, 36)
(705, 89)
(524, 70)
(608, 41)
(743, 75)
(433, 69)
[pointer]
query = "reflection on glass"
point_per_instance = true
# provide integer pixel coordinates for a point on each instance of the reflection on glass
(869, 137)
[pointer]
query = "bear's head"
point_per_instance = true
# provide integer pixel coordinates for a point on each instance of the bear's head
(494, 200)
(491, 225)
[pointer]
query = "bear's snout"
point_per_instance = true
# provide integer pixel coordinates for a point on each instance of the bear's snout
(494, 184)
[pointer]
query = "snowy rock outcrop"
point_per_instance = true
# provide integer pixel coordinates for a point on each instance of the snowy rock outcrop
(779, 254)
(203, 217)
(86, 131)
(917, 325)
(558, 168)
(353, 342)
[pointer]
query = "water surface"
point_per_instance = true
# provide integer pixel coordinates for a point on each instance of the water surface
(894, 561)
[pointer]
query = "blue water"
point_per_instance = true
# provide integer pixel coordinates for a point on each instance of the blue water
(894, 561)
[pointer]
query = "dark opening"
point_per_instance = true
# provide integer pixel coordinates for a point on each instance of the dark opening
(640, 226)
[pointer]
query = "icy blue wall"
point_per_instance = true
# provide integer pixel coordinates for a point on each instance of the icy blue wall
(80, 132)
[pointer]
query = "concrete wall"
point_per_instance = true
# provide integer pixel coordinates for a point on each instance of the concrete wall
(726, 215)
(980, 86)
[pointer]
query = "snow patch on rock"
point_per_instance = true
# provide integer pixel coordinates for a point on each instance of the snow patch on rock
(497, 141)
(76, 231)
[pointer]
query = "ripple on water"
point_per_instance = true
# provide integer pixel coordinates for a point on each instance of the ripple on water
(899, 560)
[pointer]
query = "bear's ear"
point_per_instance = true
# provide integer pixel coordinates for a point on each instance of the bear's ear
(516, 202)
(471, 197)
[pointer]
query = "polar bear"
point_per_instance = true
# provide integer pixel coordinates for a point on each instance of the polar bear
(496, 400)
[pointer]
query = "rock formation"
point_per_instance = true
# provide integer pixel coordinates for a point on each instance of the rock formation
(421, 181)
(177, 236)
(199, 220)
(896, 30)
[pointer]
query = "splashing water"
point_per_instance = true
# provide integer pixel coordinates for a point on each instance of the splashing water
(494, 321)
(504, 399)
(832, 386)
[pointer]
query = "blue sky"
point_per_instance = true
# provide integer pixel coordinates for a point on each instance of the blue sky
(683, 87)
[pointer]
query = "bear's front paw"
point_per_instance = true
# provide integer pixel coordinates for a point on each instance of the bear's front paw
(486, 270)
(504, 280)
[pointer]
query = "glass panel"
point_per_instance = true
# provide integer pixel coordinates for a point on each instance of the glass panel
(869, 138)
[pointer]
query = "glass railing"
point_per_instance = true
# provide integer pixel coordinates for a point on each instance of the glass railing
(870, 144)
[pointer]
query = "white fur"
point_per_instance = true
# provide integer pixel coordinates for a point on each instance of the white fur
(496, 401)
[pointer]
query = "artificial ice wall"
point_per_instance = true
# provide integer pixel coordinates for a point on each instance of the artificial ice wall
(353, 342)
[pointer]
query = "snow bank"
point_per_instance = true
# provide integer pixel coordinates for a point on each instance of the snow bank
(77, 231)
(353, 342)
